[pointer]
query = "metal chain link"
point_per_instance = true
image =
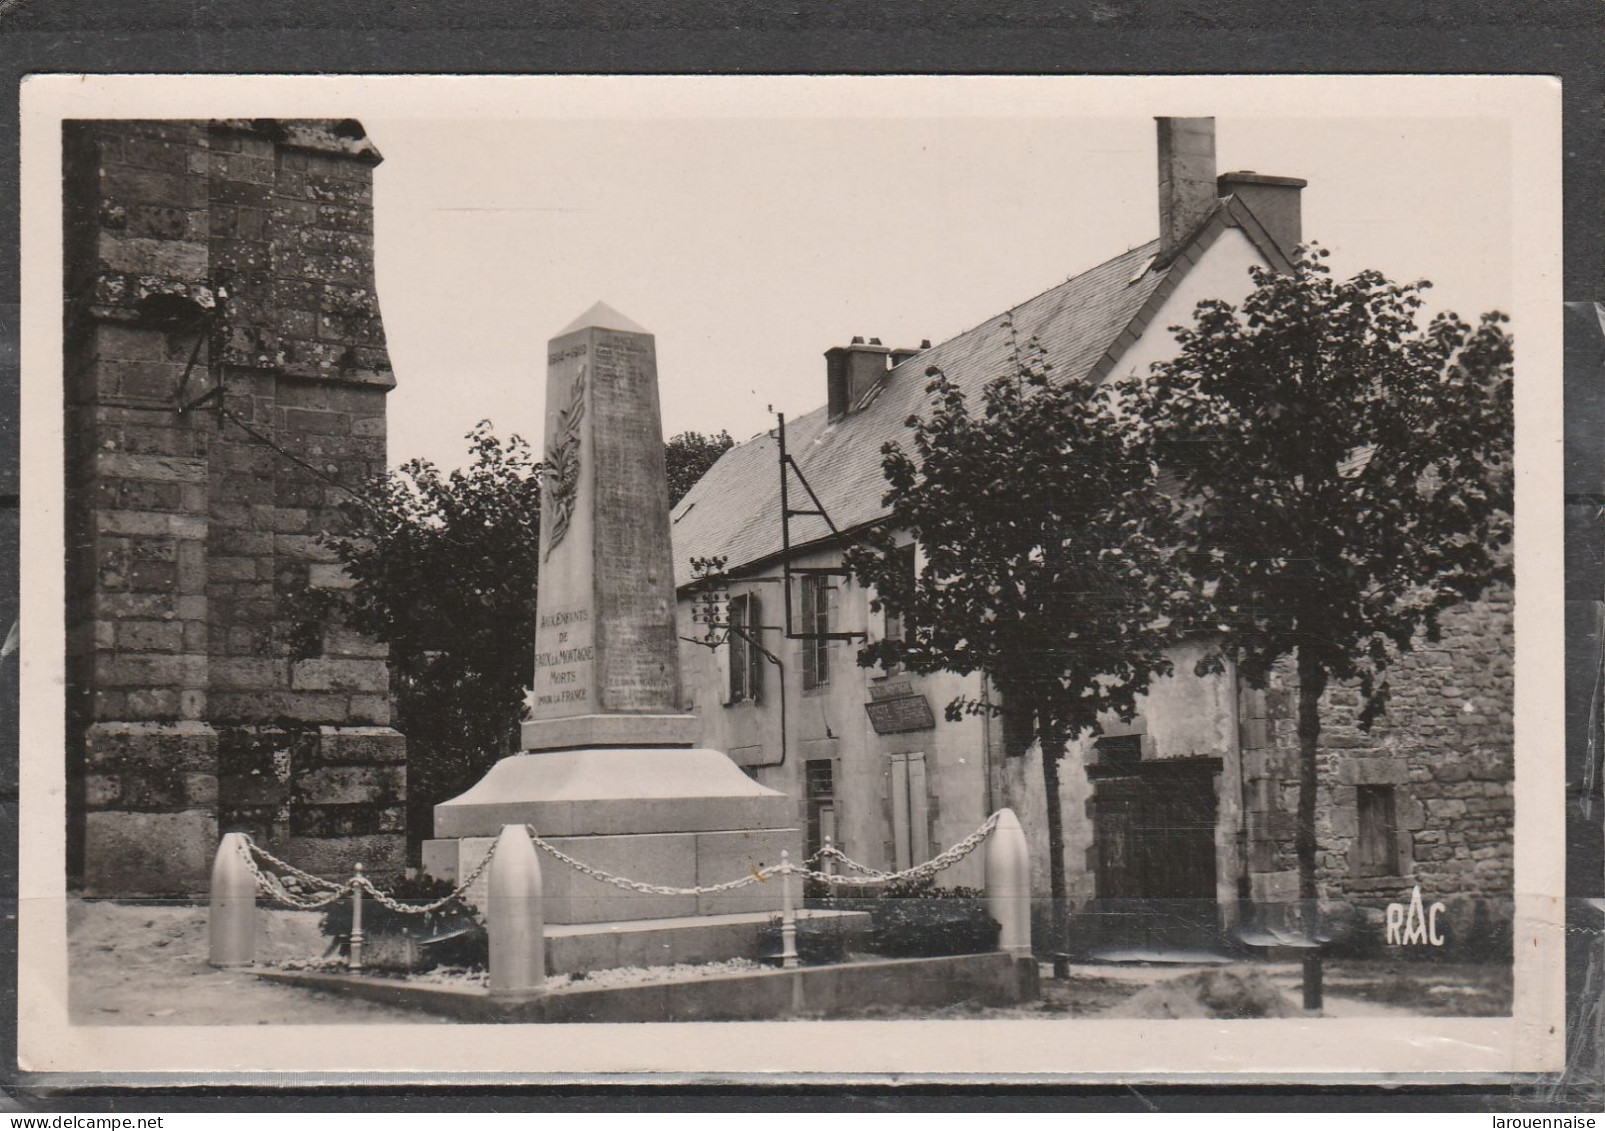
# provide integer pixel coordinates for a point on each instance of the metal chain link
(873, 877)
(868, 877)
(837, 854)
(286, 866)
(273, 887)
(757, 876)
(429, 908)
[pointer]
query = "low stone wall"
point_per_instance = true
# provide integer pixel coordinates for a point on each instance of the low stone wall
(812, 991)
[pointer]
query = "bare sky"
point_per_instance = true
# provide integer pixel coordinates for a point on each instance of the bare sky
(750, 246)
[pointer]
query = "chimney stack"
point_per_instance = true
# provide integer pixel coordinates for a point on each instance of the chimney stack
(1187, 190)
(1274, 201)
(851, 371)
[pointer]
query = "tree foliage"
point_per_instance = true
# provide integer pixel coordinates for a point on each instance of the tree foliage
(444, 567)
(1049, 560)
(688, 457)
(1347, 477)
(1348, 474)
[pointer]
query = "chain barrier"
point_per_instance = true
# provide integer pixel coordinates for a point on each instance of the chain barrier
(756, 876)
(429, 908)
(270, 885)
(871, 877)
(329, 891)
(274, 888)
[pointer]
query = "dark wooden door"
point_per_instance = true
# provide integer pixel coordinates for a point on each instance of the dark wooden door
(1154, 831)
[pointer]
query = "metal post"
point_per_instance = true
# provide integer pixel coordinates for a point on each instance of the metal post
(355, 962)
(1008, 884)
(514, 916)
(232, 918)
(788, 914)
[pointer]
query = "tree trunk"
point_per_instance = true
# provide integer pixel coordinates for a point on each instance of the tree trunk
(1052, 753)
(1311, 685)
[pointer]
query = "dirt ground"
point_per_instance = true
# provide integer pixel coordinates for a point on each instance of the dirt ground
(135, 964)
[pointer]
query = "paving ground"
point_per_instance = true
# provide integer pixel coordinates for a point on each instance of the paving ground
(146, 965)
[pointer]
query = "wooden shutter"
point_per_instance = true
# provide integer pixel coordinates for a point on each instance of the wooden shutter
(755, 658)
(919, 806)
(721, 657)
(911, 811)
(810, 655)
(899, 787)
(738, 649)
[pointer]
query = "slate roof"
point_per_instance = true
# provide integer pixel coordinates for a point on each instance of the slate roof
(1083, 324)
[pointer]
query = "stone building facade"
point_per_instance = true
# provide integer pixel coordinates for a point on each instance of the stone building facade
(225, 381)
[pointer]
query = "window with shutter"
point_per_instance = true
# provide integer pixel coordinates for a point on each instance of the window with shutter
(1377, 846)
(746, 656)
(755, 656)
(815, 620)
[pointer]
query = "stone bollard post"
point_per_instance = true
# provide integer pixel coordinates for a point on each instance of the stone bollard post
(1008, 884)
(514, 915)
(232, 919)
(788, 914)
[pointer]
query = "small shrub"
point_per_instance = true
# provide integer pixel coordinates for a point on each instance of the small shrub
(820, 942)
(451, 936)
(920, 920)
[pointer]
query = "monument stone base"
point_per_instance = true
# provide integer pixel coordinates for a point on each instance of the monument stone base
(675, 816)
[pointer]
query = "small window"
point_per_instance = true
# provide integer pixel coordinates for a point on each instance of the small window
(746, 657)
(815, 623)
(1119, 750)
(1377, 846)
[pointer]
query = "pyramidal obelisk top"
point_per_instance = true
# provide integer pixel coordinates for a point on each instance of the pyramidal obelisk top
(601, 316)
(607, 670)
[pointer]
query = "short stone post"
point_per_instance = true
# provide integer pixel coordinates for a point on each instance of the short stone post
(1008, 884)
(232, 919)
(513, 913)
(788, 914)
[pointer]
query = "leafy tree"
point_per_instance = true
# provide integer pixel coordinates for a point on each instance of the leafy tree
(1045, 560)
(688, 457)
(1347, 478)
(445, 572)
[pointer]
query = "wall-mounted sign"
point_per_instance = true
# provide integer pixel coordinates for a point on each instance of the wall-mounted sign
(898, 713)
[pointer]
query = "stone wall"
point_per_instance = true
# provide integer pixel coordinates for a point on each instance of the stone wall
(225, 388)
(1445, 746)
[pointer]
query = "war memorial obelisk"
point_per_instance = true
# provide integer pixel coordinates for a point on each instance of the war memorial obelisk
(610, 772)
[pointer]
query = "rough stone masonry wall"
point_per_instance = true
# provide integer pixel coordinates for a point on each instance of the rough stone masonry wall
(247, 247)
(1446, 746)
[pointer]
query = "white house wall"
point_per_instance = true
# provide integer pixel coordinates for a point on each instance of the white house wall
(830, 722)
(1220, 273)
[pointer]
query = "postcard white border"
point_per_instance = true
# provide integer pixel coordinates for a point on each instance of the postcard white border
(1333, 1050)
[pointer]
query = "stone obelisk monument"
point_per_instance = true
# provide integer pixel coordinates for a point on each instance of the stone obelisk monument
(610, 772)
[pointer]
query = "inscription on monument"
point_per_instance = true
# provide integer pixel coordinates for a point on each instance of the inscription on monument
(563, 659)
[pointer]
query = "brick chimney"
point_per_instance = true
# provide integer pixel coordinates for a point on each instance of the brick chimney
(1274, 201)
(851, 371)
(1187, 190)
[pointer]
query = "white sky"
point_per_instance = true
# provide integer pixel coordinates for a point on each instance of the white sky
(750, 246)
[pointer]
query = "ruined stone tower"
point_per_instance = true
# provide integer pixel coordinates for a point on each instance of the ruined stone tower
(225, 388)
